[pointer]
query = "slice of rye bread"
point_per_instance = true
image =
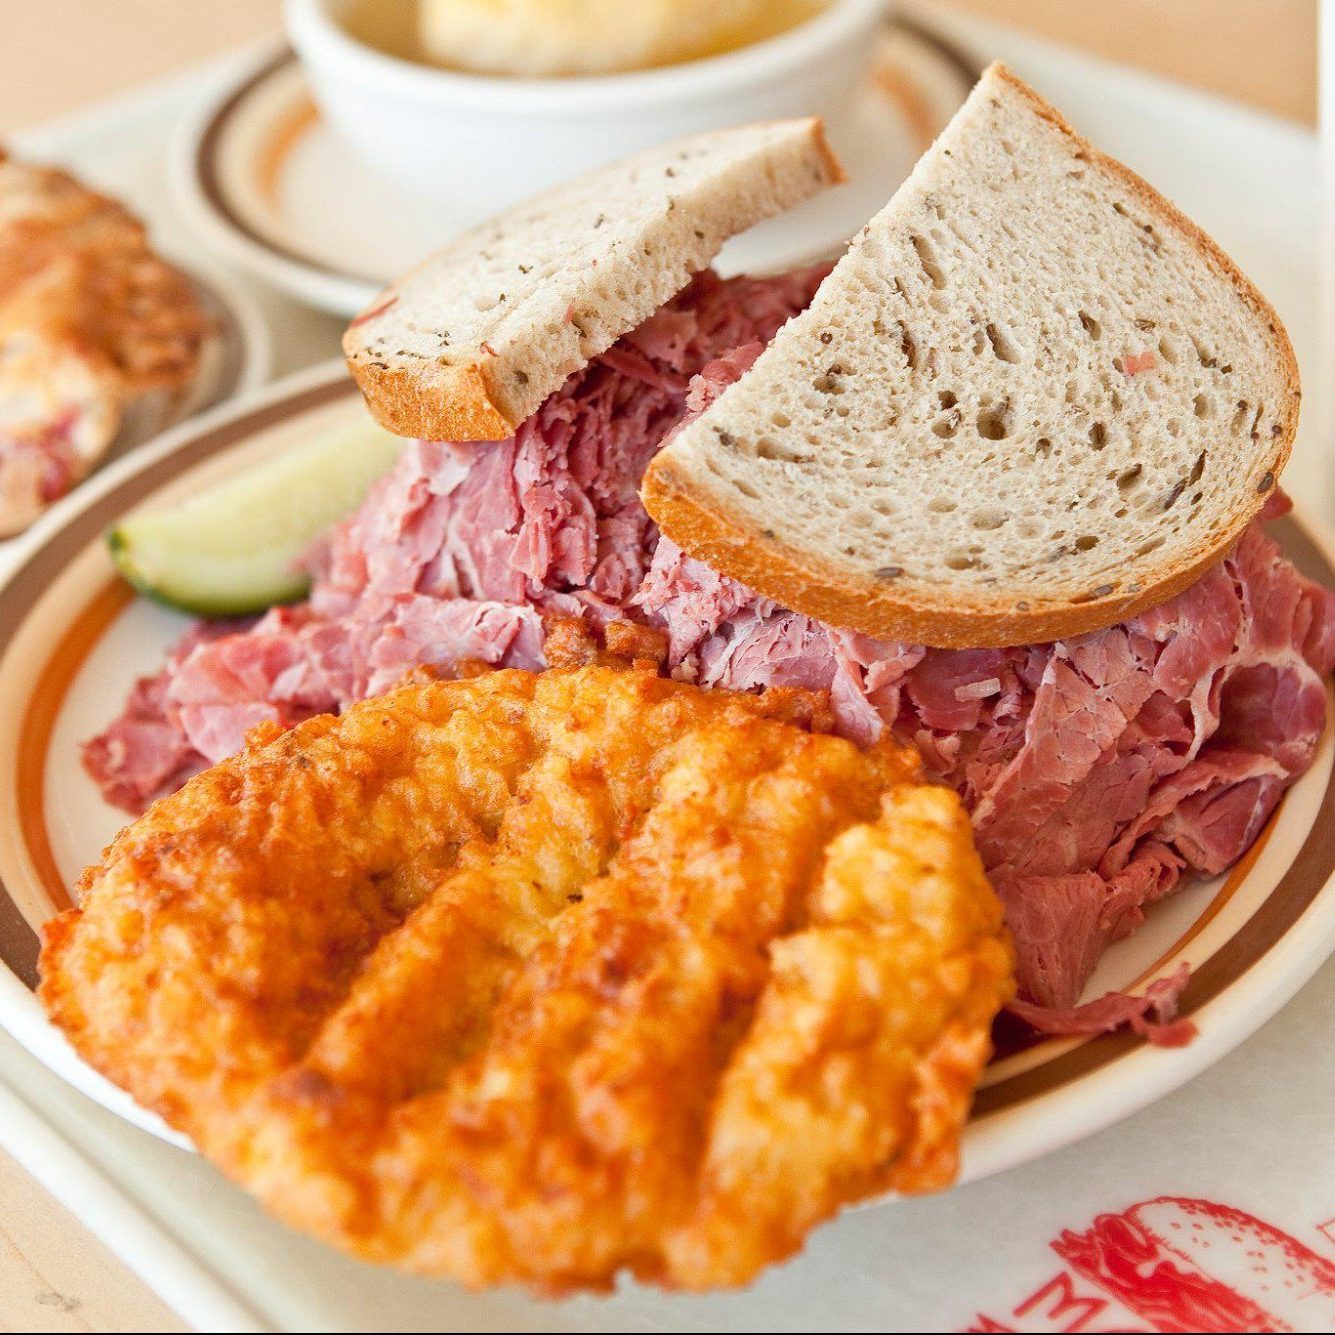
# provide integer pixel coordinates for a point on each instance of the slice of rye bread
(1032, 400)
(469, 344)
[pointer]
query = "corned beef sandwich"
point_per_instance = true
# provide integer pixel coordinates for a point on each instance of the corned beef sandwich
(1145, 740)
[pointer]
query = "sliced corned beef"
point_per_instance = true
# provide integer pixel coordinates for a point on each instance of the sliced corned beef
(146, 753)
(1154, 1014)
(1099, 771)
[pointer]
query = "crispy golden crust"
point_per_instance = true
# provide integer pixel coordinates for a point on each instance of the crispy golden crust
(459, 404)
(541, 978)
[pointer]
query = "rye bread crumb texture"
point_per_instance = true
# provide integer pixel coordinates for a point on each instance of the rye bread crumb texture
(468, 345)
(1031, 400)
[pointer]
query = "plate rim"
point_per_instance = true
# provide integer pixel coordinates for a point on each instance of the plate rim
(1000, 1139)
(308, 279)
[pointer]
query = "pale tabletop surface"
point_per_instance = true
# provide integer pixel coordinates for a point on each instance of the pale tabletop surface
(59, 55)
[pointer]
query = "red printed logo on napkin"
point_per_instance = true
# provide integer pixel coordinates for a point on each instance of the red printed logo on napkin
(1180, 1265)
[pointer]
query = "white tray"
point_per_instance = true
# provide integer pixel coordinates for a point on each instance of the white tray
(934, 1264)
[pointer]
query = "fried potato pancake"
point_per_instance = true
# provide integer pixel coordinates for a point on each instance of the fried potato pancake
(539, 978)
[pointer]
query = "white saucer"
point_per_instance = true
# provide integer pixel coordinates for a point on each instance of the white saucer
(272, 189)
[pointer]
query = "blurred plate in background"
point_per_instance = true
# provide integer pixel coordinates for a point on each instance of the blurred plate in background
(238, 358)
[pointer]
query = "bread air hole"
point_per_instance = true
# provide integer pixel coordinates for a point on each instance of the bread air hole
(1090, 325)
(1168, 351)
(927, 258)
(1203, 406)
(1128, 481)
(994, 423)
(771, 449)
(963, 561)
(1152, 545)
(939, 505)
(1086, 543)
(1002, 348)
(1206, 358)
(1098, 435)
(988, 519)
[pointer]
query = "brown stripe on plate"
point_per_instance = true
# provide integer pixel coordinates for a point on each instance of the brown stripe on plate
(283, 137)
(913, 101)
(968, 67)
(210, 178)
(19, 944)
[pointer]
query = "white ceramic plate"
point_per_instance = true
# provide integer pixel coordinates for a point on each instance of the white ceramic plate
(73, 639)
(271, 188)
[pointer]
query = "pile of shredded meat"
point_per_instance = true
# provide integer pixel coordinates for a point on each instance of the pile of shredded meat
(1099, 771)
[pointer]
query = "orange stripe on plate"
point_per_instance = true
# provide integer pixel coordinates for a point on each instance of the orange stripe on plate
(280, 140)
(39, 719)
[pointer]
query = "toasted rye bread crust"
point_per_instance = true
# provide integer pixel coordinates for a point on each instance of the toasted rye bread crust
(474, 400)
(799, 582)
(941, 616)
(400, 402)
